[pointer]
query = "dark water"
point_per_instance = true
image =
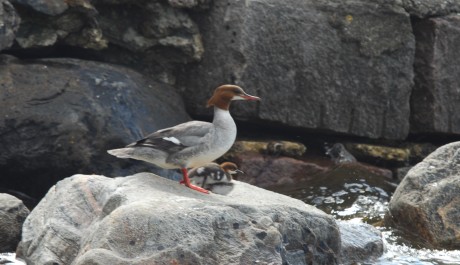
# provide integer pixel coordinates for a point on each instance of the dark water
(360, 197)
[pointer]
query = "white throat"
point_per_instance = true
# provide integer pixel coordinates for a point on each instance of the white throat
(225, 129)
(223, 119)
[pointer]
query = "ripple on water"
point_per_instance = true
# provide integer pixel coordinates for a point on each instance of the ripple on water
(399, 253)
(367, 201)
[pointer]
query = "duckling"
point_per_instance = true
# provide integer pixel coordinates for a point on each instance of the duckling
(214, 177)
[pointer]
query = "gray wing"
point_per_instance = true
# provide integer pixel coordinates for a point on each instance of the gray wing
(177, 138)
(189, 133)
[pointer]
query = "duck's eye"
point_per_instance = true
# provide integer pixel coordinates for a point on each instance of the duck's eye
(237, 91)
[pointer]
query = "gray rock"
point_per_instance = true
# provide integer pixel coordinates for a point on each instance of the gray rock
(48, 7)
(430, 8)
(155, 32)
(339, 154)
(59, 116)
(12, 215)
(145, 219)
(341, 66)
(360, 242)
(196, 4)
(401, 172)
(434, 101)
(9, 24)
(152, 26)
(50, 25)
(425, 204)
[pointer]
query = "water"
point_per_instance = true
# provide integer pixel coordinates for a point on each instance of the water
(10, 259)
(351, 195)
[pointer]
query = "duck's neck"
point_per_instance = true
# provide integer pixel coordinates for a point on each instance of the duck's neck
(223, 119)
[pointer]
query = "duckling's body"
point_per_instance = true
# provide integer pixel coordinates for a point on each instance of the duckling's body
(214, 177)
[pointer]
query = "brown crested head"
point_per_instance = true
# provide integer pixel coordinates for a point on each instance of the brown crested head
(230, 167)
(224, 94)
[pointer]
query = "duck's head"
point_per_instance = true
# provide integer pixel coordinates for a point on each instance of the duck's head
(231, 168)
(224, 94)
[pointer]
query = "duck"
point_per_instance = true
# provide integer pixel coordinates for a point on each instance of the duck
(194, 143)
(214, 177)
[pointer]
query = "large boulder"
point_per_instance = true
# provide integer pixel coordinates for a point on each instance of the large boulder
(341, 66)
(425, 204)
(13, 213)
(435, 99)
(146, 219)
(59, 116)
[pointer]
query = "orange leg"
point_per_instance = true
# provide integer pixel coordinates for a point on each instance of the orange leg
(186, 182)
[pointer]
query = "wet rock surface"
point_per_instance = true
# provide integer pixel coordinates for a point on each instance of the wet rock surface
(59, 116)
(144, 218)
(268, 171)
(13, 213)
(425, 204)
(368, 246)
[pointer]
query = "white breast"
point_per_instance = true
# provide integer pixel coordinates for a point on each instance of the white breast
(222, 139)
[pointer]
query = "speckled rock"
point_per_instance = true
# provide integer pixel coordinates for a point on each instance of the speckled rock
(12, 215)
(145, 219)
(425, 204)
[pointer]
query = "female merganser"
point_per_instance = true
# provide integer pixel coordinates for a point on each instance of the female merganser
(193, 143)
(214, 177)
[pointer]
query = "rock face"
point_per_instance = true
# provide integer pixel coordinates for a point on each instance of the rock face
(145, 219)
(341, 66)
(145, 36)
(435, 97)
(12, 216)
(425, 204)
(423, 9)
(59, 116)
(9, 24)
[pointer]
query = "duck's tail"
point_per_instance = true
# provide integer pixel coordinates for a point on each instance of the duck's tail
(122, 152)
